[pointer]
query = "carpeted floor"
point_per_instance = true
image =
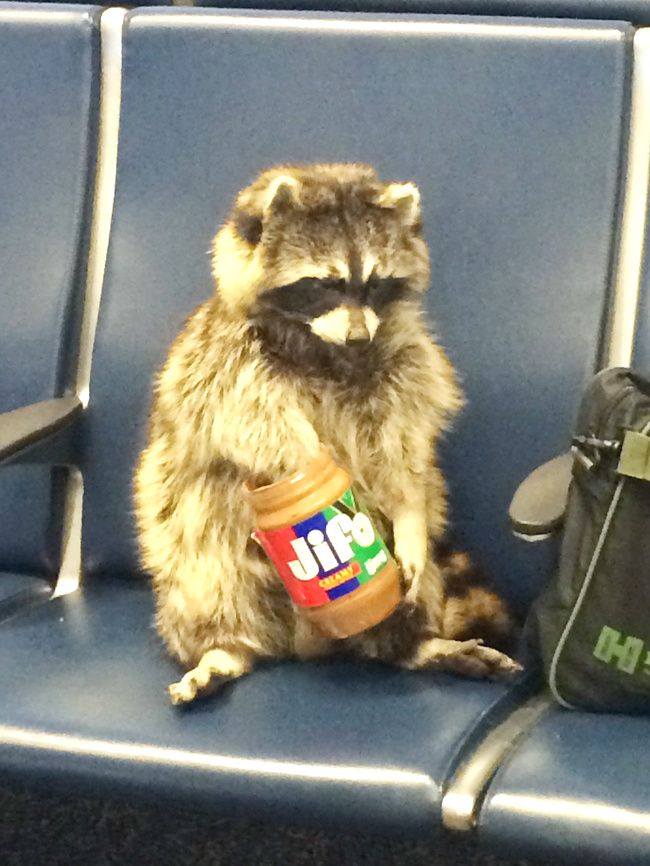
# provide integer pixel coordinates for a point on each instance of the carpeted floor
(39, 829)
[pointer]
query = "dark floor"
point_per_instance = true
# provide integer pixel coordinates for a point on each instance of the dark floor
(39, 829)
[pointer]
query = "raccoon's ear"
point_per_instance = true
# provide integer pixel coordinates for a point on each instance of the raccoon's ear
(281, 192)
(405, 199)
(248, 226)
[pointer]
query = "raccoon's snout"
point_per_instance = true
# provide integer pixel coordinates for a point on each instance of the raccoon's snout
(346, 325)
(357, 329)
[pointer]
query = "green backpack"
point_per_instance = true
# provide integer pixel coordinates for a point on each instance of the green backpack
(592, 624)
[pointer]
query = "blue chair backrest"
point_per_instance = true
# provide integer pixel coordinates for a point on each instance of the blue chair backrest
(48, 93)
(513, 134)
(641, 354)
(636, 11)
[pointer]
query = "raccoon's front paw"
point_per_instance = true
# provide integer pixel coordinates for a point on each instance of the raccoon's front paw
(412, 573)
(411, 550)
(469, 658)
(412, 560)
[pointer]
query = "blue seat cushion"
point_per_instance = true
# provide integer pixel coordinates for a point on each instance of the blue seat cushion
(338, 742)
(17, 591)
(577, 787)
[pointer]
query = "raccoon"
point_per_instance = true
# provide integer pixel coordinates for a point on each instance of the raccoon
(314, 337)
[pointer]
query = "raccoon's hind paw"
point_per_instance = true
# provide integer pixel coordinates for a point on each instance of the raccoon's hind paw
(469, 658)
(216, 668)
(192, 686)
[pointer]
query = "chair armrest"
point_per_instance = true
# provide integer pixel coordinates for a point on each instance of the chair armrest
(537, 508)
(23, 428)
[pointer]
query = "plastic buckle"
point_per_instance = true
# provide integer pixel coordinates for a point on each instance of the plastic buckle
(589, 450)
(634, 461)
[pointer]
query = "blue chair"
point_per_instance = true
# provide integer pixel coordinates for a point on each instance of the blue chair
(578, 781)
(48, 95)
(520, 197)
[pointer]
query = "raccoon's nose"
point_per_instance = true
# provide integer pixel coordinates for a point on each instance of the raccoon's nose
(357, 338)
(357, 330)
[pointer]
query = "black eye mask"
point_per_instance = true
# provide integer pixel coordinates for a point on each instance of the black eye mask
(305, 299)
(309, 298)
(282, 316)
(382, 291)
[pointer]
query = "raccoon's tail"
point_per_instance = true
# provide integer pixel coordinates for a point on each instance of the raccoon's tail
(471, 608)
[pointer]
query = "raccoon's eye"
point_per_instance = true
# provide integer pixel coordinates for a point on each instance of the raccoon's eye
(308, 297)
(386, 290)
(334, 285)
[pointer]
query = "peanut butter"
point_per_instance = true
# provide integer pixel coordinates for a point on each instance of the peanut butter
(326, 549)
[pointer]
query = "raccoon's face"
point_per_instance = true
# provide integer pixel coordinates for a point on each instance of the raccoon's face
(317, 257)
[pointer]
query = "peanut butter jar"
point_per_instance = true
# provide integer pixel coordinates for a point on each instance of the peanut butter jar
(325, 548)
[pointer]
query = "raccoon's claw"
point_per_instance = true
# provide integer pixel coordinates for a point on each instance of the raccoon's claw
(470, 658)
